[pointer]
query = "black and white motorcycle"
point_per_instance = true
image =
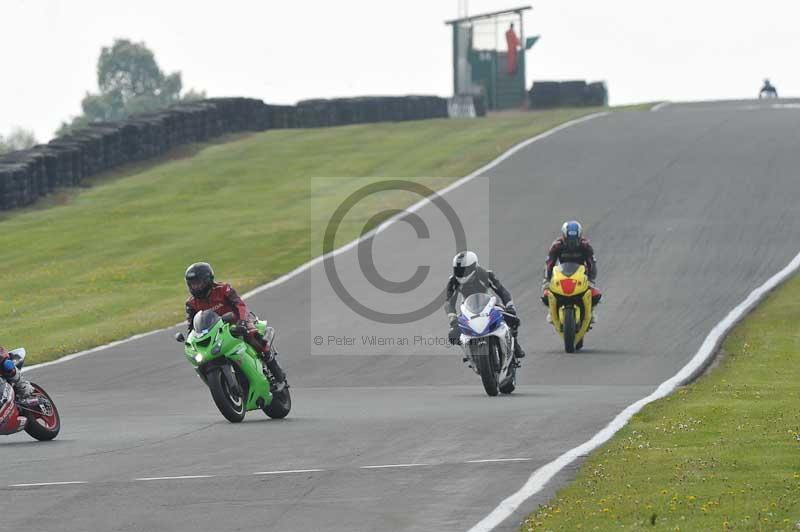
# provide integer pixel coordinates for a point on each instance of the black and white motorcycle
(488, 343)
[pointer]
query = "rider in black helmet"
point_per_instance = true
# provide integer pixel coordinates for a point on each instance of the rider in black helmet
(222, 298)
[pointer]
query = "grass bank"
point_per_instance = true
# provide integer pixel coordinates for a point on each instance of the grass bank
(107, 262)
(720, 454)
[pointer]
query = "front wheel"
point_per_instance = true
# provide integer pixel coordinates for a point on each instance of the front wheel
(280, 405)
(229, 404)
(569, 329)
(44, 423)
(488, 366)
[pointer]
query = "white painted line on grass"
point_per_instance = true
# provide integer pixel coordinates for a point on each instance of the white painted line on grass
(660, 106)
(34, 484)
(183, 477)
(390, 465)
(287, 471)
(704, 355)
(498, 460)
(300, 269)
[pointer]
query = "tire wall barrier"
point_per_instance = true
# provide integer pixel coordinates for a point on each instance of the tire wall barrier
(27, 175)
(547, 94)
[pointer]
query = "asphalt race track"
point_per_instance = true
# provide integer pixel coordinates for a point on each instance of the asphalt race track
(689, 209)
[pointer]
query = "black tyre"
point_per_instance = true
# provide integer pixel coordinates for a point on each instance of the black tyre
(569, 329)
(280, 406)
(229, 404)
(488, 366)
(45, 423)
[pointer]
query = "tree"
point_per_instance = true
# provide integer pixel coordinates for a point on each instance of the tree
(17, 139)
(129, 81)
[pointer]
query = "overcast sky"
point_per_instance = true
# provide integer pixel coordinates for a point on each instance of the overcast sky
(286, 51)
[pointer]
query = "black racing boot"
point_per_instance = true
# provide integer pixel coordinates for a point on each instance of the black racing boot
(278, 376)
(518, 351)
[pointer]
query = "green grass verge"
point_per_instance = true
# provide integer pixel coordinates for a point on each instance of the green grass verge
(720, 454)
(86, 268)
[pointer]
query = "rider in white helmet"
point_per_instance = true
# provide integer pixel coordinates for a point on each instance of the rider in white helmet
(470, 278)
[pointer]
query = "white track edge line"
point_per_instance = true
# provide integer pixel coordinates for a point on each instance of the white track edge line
(180, 477)
(708, 348)
(391, 465)
(287, 471)
(659, 106)
(492, 460)
(303, 267)
(35, 484)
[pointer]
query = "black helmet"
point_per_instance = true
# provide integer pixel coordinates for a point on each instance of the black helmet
(199, 278)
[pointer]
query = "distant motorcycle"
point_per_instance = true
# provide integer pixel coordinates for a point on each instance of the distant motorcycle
(37, 415)
(231, 368)
(569, 298)
(488, 343)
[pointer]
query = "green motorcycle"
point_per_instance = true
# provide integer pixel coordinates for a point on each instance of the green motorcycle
(238, 379)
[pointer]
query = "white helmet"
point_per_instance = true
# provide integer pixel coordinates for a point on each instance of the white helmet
(464, 265)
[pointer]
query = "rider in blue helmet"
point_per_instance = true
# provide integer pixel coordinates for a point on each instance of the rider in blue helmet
(572, 246)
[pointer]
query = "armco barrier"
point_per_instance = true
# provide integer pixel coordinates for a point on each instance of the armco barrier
(27, 175)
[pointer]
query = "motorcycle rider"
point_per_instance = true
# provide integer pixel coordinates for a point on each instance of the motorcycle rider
(768, 89)
(572, 246)
(9, 371)
(222, 298)
(470, 278)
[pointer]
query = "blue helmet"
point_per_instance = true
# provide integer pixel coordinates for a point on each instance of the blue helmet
(572, 233)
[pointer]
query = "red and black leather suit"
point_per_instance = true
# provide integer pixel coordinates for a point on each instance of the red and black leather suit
(582, 254)
(222, 298)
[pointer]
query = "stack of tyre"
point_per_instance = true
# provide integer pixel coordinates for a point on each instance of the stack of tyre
(551, 94)
(30, 174)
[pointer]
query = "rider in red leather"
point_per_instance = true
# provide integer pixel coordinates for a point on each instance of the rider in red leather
(10, 373)
(222, 298)
(571, 246)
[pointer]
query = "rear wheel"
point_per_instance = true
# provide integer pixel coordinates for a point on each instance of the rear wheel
(281, 404)
(229, 404)
(569, 329)
(488, 366)
(44, 423)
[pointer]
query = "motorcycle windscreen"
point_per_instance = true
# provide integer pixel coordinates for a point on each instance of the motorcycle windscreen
(204, 321)
(476, 303)
(569, 268)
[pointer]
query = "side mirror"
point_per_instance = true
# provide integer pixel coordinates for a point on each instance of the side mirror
(180, 338)
(228, 317)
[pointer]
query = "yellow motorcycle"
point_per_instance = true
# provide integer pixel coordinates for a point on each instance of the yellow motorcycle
(569, 297)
